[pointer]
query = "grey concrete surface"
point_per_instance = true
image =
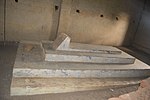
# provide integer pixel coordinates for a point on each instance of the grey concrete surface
(27, 26)
(7, 59)
(32, 64)
(34, 86)
(60, 51)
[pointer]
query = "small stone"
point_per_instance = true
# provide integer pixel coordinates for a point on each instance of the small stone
(111, 90)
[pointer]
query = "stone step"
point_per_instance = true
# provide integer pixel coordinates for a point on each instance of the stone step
(32, 64)
(34, 86)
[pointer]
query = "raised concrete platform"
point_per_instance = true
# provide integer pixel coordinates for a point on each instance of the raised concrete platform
(32, 64)
(62, 43)
(33, 75)
(106, 56)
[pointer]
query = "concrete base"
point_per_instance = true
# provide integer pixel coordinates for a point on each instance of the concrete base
(34, 86)
(32, 75)
(32, 64)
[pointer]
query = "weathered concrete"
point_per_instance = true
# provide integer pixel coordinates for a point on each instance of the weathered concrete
(2, 20)
(143, 92)
(48, 45)
(77, 57)
(55, 19)
(60, 51)
(100, 22)
(34, 86)
(8, 53)
(62, 42)
(32, 64)
(29, 19)
(61, 45)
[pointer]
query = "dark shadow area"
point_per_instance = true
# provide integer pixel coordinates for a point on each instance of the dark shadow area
(130, 35)
(102, 22)
(7, 58)
(55, 21)
(16, 1)
(137, 54)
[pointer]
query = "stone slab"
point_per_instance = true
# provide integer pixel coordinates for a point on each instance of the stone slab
(85, 48)
(90, 55)
(34, 86)
(32, 64)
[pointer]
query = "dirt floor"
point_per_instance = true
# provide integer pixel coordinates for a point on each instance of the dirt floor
(7, 58)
